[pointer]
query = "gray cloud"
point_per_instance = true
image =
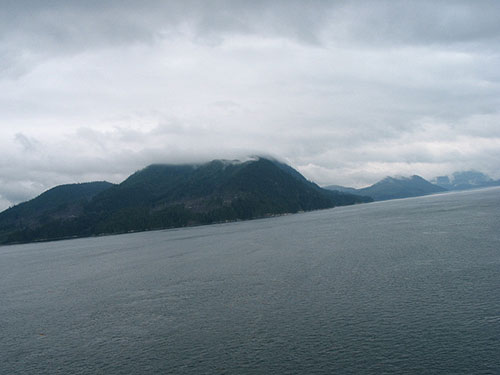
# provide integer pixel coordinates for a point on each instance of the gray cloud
(346, 91)
(26, 143)
(31, 28)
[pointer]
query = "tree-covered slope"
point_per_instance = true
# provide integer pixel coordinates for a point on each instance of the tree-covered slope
(164, 196)
(61, 203)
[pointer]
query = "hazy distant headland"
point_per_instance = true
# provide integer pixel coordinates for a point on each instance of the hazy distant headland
(415, 186)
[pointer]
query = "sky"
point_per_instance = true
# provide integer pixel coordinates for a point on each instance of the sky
(347, 92)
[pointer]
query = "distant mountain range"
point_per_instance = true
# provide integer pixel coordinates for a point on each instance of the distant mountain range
(414, 186)
(166, 196)
(393, 188)
(465, 180)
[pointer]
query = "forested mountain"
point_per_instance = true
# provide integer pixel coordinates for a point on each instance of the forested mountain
(393, 188)
(58, 203)
(165, 196)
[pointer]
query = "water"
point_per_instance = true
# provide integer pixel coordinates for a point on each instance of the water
(406, 286)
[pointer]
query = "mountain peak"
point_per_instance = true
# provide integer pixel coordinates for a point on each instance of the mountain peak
(165, 196)
(395, 187)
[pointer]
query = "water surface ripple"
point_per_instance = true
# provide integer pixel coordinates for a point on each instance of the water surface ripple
(400, 287)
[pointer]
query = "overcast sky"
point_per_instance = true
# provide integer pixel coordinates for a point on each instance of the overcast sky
(347, 92)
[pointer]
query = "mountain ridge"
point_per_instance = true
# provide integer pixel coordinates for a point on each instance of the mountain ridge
(394, 188)
(55, 201)
(165, 196)
(465, 180)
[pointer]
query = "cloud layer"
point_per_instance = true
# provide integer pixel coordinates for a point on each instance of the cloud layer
(347, 92)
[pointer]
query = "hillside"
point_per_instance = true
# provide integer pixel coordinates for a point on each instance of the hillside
(393, 188)
(60, 203)
(165, 196)
(343, 189)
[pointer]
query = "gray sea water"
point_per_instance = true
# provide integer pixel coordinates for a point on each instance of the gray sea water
(407, 286)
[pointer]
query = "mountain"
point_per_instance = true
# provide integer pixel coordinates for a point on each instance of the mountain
(393, 188)
(402, 187)
(61, 203)
(343, 189)
(166, 196)
(465, 180)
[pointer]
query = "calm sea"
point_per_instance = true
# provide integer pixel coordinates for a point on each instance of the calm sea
(407, 286)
